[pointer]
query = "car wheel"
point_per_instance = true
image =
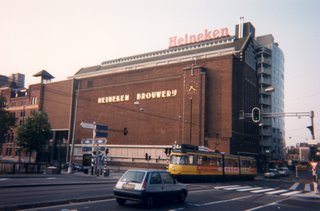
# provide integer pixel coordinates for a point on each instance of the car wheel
(182, 197)
(121, 201)
(149, 201)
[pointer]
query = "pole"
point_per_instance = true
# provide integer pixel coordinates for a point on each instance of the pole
(190, 123)
(74, 128)
(312, 122)
(93, 169)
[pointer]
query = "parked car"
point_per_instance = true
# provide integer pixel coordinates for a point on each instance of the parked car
(284, 171)
(75, 167)
(148, 186)
(272, 173)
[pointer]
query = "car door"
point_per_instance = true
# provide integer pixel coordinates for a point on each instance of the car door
(155, 186)
(170, 189)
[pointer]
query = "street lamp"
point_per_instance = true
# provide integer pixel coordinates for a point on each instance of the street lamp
(269, 89)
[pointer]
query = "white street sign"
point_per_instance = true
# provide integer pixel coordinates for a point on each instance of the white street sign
(87, 125)
(313, 164)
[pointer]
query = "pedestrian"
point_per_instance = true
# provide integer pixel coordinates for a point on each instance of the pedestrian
(315, 179)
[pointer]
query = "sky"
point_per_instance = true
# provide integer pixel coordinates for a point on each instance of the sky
(62, 36)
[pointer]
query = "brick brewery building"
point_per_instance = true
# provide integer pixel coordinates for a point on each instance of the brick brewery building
(192, 93)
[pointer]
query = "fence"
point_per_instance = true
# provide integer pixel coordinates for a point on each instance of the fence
(24, 168)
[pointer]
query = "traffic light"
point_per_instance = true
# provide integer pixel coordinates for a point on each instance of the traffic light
(125, 131)
(313, 152)
(167, 151)
(148, 157)
(255, 114)
(311, 130)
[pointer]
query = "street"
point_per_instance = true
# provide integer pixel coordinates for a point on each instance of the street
(84, 192)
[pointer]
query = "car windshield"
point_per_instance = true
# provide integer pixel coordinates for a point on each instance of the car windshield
(133, 176)
(273, 170)
(284, 168)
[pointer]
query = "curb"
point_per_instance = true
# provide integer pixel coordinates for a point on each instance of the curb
(54, 203)
(56, 184)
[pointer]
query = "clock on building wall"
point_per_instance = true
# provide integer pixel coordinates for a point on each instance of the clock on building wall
(191, 85)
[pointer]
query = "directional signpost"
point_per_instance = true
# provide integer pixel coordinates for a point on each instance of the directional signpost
(99, 136)
(87, 125)
(101, 131)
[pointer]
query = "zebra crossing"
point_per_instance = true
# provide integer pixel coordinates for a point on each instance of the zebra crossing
(292, 190)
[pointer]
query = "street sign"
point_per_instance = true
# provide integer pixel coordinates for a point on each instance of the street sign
(101, 127)
(101, 134)
(100, 141)
(86, 141)
(313, 164)
(86, 149)
(87, 125)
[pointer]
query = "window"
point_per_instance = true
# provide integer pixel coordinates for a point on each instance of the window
(34, 100)
(89, 84)
(155, 178)
(167, 179)
(133, 176)
(177, 159)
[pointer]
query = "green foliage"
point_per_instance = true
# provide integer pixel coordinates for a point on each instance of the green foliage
(6, 121)
(34, 133)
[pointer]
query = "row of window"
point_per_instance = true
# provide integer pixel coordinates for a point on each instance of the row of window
(201, 160)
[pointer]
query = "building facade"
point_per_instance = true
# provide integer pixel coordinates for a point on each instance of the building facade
(53, 98)
(270, 66)
(190, 93)
(193, 92)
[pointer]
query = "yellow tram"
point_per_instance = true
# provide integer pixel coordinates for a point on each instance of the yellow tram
(188, 162)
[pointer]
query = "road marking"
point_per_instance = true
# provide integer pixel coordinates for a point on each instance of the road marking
(3, 179)
(276, 192)
(294, 186)
(290, 193)
(263, 190)
(51, 178)
(229, 186)
(307, 187)
(234, 188)
(249, 189)
(196, 191)
(62, 206)
(267, 205)
(181, 208)
(218, 202)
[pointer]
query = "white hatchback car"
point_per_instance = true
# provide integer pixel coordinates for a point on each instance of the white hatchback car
(148, 186)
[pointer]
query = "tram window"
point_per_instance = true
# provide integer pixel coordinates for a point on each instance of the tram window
(248, 163)
(182, 160)
(215, 161)
(191, 159)
(199, 160)
(232, 163)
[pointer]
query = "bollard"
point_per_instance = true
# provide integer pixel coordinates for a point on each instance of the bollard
(106, 171)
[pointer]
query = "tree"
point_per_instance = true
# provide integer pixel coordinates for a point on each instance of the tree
(34, 133)
(7, 120)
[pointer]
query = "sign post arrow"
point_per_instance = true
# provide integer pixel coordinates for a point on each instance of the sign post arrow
(87, 125)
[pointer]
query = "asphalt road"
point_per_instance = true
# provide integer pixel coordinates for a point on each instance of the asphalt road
(206, 199)
(84, 192)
